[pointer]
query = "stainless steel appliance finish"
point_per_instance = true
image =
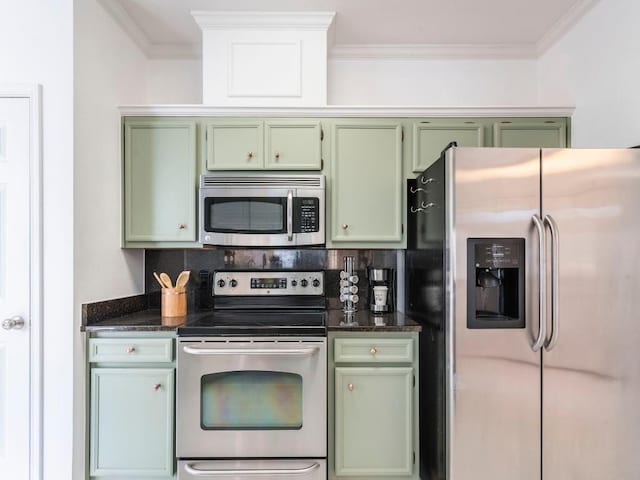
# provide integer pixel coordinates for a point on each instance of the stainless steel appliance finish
(558, 398)
(251, 390)
(315, 469)
(255, 210)
(304, 358)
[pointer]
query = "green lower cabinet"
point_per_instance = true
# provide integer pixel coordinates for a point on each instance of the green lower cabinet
(373, 406)
(374, 421)
(131, 422)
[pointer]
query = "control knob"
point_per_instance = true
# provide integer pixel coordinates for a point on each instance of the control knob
(233, 283)
(316, 282)
(294, 283)
(221, 283)
(304, 282)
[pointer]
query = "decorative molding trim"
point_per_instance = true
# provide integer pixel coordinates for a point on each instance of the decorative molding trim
(263, 20)
(563, 25)
(139, 37)
(33, 92)
(232, 89)
(431, 51)
(345, 111)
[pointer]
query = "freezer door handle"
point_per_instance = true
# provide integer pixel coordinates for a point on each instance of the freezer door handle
(553, 228)
(542, 283)
(190, 469)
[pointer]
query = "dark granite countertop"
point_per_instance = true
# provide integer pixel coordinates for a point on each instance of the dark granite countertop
(149, 321)
(366, 321)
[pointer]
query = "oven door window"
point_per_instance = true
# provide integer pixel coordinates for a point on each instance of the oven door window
(245, 214)
(251, 400)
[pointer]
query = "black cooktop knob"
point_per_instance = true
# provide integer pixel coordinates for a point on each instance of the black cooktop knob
(316, 282)
(294, 283)
(304, 282)
(233, 283)
(221, 283)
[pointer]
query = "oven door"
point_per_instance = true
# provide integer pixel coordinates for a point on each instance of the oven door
(251, 397)
(314, 469)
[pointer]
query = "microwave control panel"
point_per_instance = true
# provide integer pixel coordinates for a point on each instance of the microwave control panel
(306, 215)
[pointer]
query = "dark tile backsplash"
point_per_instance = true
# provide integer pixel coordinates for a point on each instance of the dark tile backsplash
(174, 261)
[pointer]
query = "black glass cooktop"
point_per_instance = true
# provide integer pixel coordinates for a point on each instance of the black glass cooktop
(252, 323)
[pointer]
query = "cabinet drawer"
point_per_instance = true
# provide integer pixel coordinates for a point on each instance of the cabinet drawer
(373, 350)
(130, 350)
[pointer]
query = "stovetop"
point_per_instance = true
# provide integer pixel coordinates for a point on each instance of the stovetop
(257, 323)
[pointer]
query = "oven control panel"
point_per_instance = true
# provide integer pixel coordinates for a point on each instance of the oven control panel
(268, 283)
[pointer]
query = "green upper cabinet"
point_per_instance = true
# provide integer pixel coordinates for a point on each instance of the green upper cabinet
(235, 145)
(366, 181)
(293, 145)
(160, 181)
(550, 133)
(288, 144)
(430, 137)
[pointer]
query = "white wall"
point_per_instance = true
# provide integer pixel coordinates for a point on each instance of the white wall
(432, 82)
(174, 81)
(45, 56)
(596, 66)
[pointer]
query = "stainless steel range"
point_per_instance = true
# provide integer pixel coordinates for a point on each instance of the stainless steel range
(251, 380)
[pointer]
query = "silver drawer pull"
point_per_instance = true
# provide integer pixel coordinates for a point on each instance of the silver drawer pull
(373, 350)
(294, 352)
(189, 468)
(131, 349)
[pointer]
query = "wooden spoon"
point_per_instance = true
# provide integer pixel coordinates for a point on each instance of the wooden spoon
(166, 280)
(183, 278)
(159, 280)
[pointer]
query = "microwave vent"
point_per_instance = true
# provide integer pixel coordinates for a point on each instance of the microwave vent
(262, 181)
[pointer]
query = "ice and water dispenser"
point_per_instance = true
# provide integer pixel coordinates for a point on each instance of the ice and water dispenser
(495, 283)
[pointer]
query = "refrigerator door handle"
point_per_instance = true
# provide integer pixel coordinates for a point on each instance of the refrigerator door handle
(542, 333)
(553, 228)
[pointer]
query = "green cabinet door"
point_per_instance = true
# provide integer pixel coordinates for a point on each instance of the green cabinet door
(160, 184)
(530, 133)
(293, 145)
(235, 145)
(131, 422)
(431, 137)
(366, 181)
(374, 421)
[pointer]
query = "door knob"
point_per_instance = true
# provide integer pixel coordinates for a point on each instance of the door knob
(13, 323)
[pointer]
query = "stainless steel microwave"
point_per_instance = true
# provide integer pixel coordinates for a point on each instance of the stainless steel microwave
(255, 210)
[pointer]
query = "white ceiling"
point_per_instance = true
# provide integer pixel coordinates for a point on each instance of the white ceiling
(497, 28)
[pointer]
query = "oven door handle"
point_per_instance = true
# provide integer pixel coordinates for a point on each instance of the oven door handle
(292, 352)
(290, 215)
(189, 468)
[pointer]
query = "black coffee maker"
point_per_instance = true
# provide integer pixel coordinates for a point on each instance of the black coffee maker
(382, 295)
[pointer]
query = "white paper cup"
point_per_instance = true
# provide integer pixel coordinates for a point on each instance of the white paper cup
(380, 295)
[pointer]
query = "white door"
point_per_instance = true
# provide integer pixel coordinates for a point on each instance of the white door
(14, 288)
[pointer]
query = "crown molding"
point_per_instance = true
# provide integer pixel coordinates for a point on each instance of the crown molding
(138, 36)
(432, 51)
(345, 111)
(563, 25)
(218, 20)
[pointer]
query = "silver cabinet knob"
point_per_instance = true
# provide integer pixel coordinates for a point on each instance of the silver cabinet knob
(277, 155)
(373, 350)
(157, 386)
(345, 226)
(182, 226)
(350, 387)
(250, 155)
(131, 350)
(14, 323)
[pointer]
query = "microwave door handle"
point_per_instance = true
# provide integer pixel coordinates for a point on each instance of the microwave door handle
(290, 215)
(196, 472)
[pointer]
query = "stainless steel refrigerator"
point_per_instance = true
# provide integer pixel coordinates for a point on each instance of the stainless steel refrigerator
(524, 267)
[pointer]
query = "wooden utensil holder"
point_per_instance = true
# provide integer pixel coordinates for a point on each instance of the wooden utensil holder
(173, 304)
